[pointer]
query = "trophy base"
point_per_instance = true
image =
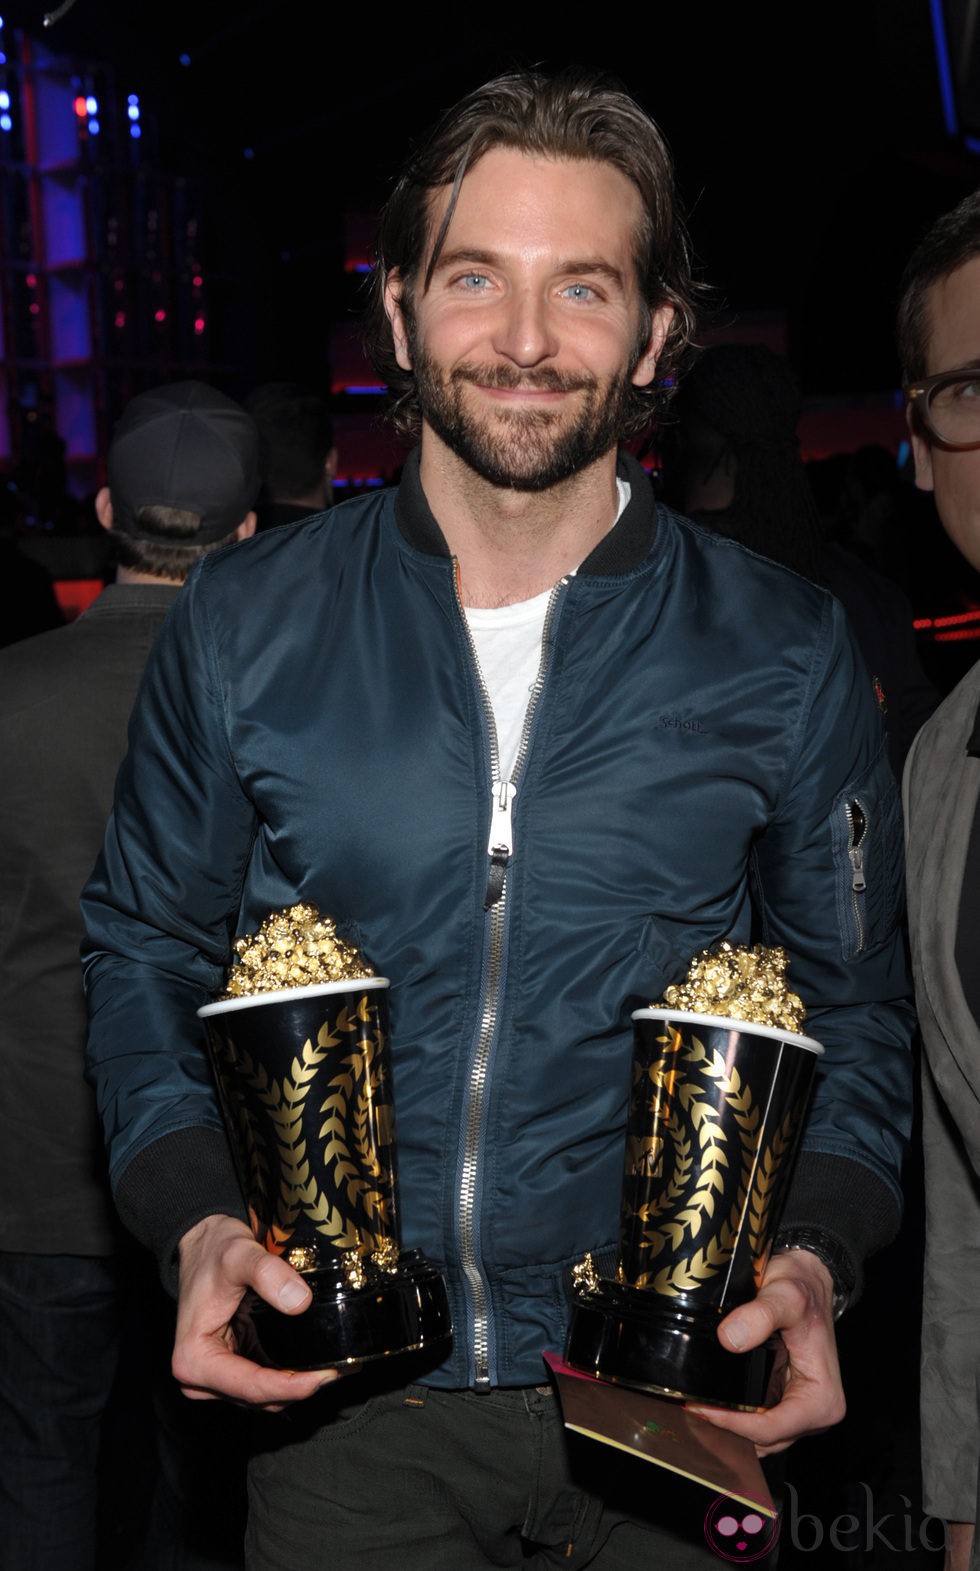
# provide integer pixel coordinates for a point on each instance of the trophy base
(631, 1336)
(398, 1311)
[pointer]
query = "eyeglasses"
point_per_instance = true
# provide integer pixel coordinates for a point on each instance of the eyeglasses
(948, 405)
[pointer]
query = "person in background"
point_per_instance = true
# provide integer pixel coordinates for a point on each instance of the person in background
(939, 344)
(297, 454)
(183, 477)
(734, 463)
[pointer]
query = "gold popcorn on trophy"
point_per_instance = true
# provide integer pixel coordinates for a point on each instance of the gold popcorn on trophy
(720, 1086)
(299, 1048)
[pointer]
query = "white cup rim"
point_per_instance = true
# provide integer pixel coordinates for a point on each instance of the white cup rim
(225, 1006)
(727, 1023)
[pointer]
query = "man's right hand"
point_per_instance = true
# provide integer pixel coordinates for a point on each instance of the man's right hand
(219, 1260)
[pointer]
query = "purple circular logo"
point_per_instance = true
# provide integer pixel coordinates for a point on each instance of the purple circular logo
(739, 1533)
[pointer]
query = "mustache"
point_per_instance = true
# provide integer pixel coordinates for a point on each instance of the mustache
(544, 380)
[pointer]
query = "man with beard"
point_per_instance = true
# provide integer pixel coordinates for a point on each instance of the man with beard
(533, 742)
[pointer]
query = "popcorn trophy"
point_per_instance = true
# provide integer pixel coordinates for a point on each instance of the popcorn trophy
(298, 1046)
(720, 1086)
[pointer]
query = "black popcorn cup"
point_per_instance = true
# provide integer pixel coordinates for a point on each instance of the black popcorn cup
(716, 1111)
(304, 1079)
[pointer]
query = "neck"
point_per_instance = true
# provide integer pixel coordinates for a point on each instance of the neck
(129, 575)
(316, 500)
(512, 545)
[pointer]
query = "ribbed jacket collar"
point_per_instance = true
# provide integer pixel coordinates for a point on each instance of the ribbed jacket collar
(625, 546)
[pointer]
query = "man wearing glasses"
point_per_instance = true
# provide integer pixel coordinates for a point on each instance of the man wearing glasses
(939, 340)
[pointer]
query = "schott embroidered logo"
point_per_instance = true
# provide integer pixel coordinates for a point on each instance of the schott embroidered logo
(676, 722)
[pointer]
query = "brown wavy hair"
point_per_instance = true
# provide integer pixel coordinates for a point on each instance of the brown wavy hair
(573, 115)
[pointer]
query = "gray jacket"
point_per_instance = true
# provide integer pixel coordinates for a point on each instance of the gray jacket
(942, 786)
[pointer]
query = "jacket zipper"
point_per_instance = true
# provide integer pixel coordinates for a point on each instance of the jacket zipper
(857, 829)
(500, 849)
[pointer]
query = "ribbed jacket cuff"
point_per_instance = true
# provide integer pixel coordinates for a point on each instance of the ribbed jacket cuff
(172, 1185)
(847, 1201)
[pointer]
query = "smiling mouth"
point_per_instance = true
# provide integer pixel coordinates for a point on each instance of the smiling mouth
(501, 379)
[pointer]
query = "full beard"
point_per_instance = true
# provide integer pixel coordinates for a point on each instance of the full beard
(522, 449)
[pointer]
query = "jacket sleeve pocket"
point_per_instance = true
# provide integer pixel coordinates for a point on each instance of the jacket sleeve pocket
(866, 831)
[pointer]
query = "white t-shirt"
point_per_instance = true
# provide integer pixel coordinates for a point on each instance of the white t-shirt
(508, 648)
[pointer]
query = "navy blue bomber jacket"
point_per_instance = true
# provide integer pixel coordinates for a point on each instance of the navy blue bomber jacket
(311, 726)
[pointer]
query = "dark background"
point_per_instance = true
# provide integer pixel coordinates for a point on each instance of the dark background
(809, 140)
(812, 153)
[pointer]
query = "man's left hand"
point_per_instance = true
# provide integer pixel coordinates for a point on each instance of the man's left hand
(796, 1299)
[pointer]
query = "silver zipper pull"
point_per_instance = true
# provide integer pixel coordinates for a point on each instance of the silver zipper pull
(858, 826)
(858, 881)
(500, 847)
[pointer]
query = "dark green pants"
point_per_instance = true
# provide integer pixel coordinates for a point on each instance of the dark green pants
(424, 1480)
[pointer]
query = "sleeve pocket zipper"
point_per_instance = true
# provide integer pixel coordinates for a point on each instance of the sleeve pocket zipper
(857, 830)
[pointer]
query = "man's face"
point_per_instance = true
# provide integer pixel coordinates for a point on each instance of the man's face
(533, 326)
(953, 339)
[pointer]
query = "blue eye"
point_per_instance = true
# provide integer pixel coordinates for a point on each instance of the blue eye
(579, 291)
(474, 280)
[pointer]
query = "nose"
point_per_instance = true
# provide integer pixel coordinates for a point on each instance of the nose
(525, 331)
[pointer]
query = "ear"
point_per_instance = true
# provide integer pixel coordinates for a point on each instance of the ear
(394, 285)
(103, 507)
(330, 468)
(247, 527)
(921, 451)
(646, 366)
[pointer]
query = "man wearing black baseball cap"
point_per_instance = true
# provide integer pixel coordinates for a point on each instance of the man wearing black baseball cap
(183, 475)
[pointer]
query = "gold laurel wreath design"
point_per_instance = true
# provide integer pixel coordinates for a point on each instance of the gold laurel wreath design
(764, 1188)
(703, 1263)
(285, 1104)
(234, 1068)
(656, 1240)
(361, 1192)
(297, 1189)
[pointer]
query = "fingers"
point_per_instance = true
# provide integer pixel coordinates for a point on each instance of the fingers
(795, 1301)
(806, 1407)
(219, 1261)
(797, 1290)
(237, 1379)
